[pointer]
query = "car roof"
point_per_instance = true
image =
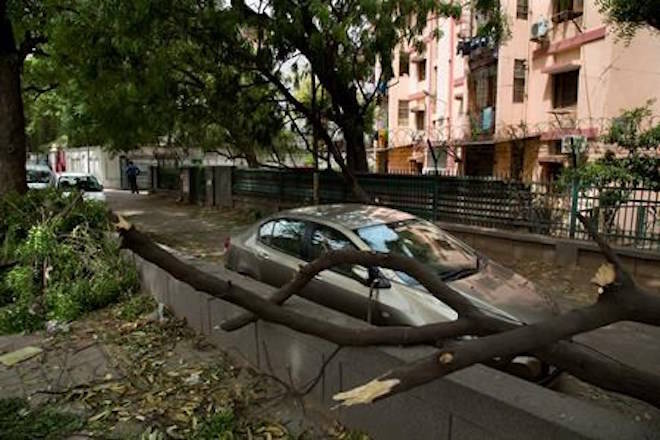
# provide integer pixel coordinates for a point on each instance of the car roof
(351, 216)
(75, 175)
(37, 167)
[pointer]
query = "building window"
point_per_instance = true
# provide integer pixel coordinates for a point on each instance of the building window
(421, 70)
(519, 81)
(460, 101)
(565, 89)
(419, 120)
(565, 10)
(522, 9)
(482, 88)
(404, 63)
(403, 113)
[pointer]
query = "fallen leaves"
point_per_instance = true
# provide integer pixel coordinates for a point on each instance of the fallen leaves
(163, 381)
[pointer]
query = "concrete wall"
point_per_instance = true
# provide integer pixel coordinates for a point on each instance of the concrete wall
(475, 403)
(96, 161)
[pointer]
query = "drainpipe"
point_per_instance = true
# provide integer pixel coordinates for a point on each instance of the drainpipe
(450, 87)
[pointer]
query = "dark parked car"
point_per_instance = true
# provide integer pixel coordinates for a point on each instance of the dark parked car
(273, 249)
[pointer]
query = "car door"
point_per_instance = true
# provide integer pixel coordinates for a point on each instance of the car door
(345, 287)
(279, 250)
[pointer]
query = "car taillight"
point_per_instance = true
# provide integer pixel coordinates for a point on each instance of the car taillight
(227, 243)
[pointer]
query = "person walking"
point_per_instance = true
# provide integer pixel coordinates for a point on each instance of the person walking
(132, 172)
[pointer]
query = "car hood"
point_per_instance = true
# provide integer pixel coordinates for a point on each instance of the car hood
(506, 294)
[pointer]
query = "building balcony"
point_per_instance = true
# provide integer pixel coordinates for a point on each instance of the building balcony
(482, 124)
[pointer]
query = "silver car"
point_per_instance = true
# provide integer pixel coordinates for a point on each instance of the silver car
(273, 250)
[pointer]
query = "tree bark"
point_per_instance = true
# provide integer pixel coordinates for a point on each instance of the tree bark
(12, 119)
(356, 154)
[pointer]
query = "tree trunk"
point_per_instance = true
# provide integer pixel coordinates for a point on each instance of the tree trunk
(356, 154)
(12, 119)
(251, 158)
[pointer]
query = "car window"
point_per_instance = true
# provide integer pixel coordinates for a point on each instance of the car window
(326, 239)
(266, 232)
(287, 236)
(38, 176)
(422, 241)
(83, 183)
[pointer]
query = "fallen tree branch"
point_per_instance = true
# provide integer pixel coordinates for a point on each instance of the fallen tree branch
(143, 246)
(331, 259)
(621, 300)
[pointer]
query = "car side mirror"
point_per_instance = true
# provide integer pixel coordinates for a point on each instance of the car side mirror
(381, 283)
(371, 277)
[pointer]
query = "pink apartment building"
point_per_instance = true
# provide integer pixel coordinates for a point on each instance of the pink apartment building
(482, 109)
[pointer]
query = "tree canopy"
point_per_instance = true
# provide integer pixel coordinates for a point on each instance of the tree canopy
(629, 15)
(208, 73)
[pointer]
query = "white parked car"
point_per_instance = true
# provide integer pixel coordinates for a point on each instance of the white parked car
(39, 176)
(87, 183)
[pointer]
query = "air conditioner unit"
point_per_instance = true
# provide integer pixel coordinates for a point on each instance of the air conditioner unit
(539, 30)
(573, 144)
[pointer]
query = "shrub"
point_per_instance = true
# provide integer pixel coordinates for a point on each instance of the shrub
(68, 260)
(20, 422)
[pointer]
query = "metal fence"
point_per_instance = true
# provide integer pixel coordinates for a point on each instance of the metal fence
(626, 217)
(169, 178)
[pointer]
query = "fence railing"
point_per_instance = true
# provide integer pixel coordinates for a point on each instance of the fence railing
(626, 217)
(168, 178)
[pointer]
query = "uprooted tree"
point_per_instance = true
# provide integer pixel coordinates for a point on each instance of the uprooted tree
(620, 299)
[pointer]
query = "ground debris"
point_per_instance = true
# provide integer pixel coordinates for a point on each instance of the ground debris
(17, 356)
(163, 381)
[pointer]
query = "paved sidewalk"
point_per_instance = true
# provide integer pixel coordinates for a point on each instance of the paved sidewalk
(124, 376)
(55, 370)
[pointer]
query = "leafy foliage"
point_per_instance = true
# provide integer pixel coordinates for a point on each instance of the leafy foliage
(639, 166)
(20, 422)
(616, 176)
(629, 16)
(67, 264)
(212, 74)
(220, 426)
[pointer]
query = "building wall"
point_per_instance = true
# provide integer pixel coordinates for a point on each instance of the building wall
(399, 159)
(95, 161)
(406, 87)
(434, 94)
(502, 157)
(608, 67)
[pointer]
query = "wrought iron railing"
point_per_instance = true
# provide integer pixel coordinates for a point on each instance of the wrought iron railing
(626, 217)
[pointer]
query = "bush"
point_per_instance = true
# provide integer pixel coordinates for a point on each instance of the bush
(20, 422)
(68, 260)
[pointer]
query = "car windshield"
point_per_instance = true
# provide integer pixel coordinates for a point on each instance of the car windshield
(83, 183)
(424, 242)
(38, 176)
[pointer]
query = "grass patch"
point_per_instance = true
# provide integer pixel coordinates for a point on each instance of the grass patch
(135, 306)
(20, 422)
(219, 426)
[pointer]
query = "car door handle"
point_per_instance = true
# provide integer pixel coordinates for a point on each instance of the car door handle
(263, 255)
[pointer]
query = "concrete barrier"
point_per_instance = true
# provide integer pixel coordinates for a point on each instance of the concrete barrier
(502, 245)
(475, 403)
